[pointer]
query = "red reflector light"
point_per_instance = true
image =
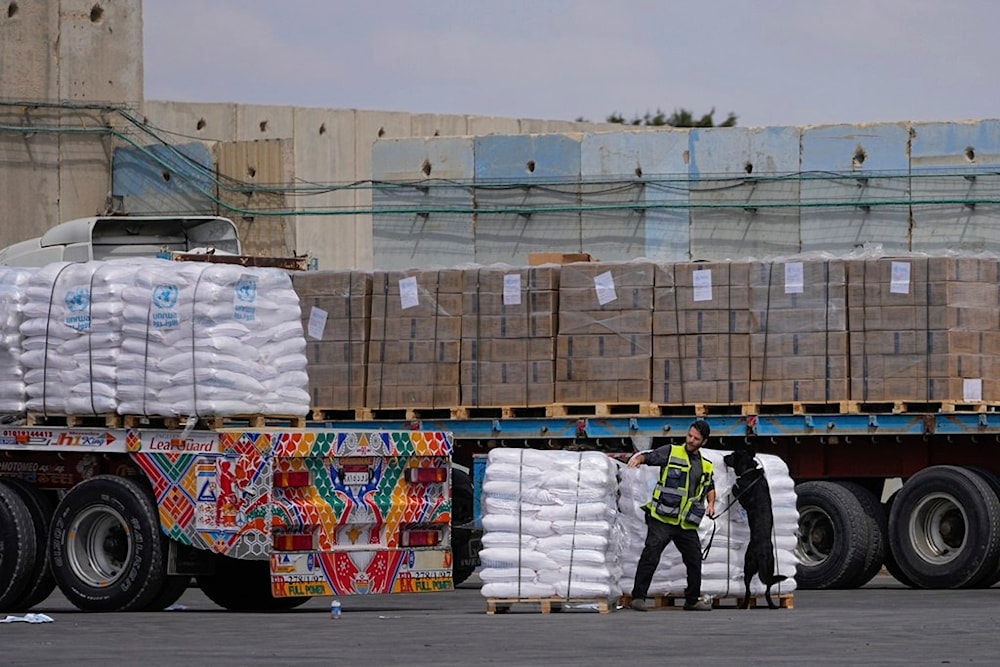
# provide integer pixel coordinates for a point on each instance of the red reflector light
(427, 475)
(287, 480)
(420, 538)
(293, 542)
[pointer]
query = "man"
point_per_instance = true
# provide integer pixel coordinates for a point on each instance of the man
(675, 511)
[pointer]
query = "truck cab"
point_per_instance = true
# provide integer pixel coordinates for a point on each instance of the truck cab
(114, 237)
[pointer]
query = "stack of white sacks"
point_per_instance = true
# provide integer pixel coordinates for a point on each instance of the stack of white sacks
(13, 286)
(550, 523)
(543, 517)
(212, 339)
(160, 338)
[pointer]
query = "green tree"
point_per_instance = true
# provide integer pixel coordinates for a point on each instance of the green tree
(679, 118)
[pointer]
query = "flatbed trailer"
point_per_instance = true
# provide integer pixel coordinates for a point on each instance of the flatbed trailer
(913, 491)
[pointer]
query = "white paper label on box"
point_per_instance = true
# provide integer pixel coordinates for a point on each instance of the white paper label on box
(317, 323)
(512, 289)
(793, 278)
(605, 286)
(408, 297)
(972, 390)
(900, 282)
(703, 285)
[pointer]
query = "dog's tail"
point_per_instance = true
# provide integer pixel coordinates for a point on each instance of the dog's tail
(775, 579)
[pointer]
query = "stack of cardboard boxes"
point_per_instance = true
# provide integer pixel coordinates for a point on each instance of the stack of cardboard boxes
(798, 331)
(336, 311)
(604, 340)
(508, 335)
(415, 338)
(701, 337)
(923, 329)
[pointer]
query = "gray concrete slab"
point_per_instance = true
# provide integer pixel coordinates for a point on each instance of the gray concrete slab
(881, 624)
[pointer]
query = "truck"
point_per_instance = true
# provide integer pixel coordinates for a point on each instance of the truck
(266, 510)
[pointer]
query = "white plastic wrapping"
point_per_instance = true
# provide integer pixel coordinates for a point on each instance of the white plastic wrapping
(550, 523)
(152, 337)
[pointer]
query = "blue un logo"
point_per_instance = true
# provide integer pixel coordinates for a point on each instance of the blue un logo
(165, 296)
(78, 299)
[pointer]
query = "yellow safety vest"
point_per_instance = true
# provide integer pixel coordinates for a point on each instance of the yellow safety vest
(672, 501)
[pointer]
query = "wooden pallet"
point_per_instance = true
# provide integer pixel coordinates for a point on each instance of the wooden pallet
(499, 412)
(106, 420)
(548, 605)
(661, 601)
(637, 409)
(340, 414)
(214, 423)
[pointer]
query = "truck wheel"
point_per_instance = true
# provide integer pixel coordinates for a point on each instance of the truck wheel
(890, 560)
(463, 560)
(944, 528)
(993, 480)
(833, 536)
(17, 547)
(173, 588)
(878, 530)
(40, 506)
(244, 585)
(105, 545)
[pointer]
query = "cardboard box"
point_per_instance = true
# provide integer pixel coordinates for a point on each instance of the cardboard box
(539, 258)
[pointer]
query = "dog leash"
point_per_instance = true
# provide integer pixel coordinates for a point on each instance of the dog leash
(715, 526)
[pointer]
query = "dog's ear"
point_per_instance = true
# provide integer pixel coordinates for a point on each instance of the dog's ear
(749, 446)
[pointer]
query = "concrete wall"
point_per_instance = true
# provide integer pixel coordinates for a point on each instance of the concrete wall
(334, 160)
(729, 193)
(82, 52)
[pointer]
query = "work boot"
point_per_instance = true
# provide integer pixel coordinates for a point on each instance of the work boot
(639, 604)
(701, 604)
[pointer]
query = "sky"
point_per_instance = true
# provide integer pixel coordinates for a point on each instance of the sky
(770, 62)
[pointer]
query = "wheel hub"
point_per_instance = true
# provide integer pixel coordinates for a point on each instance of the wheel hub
(100, 546)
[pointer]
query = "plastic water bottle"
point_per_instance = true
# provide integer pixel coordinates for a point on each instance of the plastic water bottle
(335, 610)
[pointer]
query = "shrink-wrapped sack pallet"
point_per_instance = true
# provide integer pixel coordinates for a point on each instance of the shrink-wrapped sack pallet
(72, 333)
(211, 340)
(550, 528)
(722, 569)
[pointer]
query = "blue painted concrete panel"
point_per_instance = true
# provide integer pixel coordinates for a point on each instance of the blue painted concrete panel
(435, 227)
(938, 152)
(841, 213)
(621, 154)
(834, 148)
(653, 168)
(527, 157)
(154, 179)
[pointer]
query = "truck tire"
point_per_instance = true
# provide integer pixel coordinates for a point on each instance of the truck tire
(944, 528)
(105, 545)
(244, 585)
(993, 480)
(463, 560)
(174, 586)
(17, 547)
(891, 566)
(833, 536)
(40, 506)
(878, 530)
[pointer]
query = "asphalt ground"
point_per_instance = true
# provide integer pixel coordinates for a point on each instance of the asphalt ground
(881, 624)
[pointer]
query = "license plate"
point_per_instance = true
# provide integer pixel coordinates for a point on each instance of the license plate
(356, 478)
(355, 474)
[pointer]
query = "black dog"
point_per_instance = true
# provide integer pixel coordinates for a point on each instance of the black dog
(754, 495)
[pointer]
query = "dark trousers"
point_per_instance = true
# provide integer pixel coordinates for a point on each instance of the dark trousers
(658, 536)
